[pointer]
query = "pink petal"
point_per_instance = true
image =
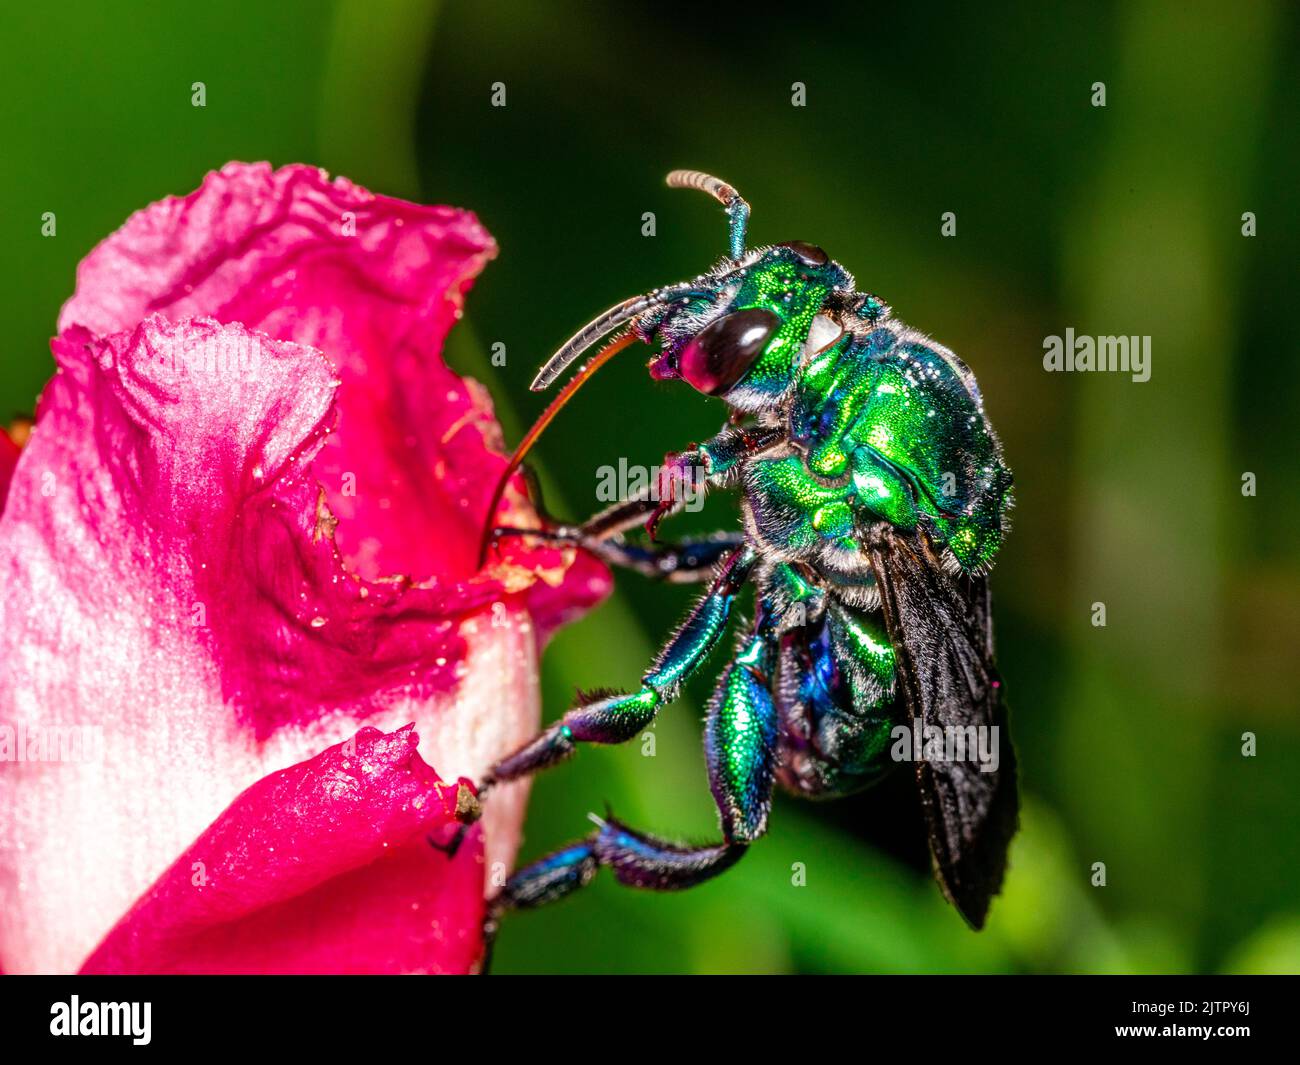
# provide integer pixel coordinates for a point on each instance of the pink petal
(170, 580)
(321, 867)
(8, 460)
(375, 283)
(168, 551)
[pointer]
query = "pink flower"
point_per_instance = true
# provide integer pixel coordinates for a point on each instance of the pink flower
(239, 558)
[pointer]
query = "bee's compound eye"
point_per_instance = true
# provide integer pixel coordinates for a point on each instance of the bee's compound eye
(721, 353)
(808, 254)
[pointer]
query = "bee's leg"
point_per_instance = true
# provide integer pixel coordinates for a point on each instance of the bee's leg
(637, 859)
(740, 738)
(683, 478)
(684, 562)
(680, 563)
(617, 718)
(741, 745)
(690, 468)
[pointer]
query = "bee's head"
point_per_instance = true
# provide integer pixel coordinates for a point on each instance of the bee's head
(742, 330)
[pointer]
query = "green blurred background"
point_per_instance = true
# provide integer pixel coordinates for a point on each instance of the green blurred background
(1117, 220)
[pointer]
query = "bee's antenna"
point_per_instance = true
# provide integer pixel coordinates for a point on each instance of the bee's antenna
(588, 335)
(617, 315)
(737, 208)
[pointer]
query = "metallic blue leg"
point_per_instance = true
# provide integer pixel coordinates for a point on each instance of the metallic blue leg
(617, 718)
(638, 860)
(741, 745)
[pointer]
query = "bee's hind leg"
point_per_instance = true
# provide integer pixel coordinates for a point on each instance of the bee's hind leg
(741, 747)
(637, 859)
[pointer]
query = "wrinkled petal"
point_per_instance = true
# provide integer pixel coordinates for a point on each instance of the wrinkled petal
(170, 580)
(300, 872)
(375, 283)
(245, 527)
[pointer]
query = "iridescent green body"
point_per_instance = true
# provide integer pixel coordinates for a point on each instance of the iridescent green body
(879, 424)
(873, 498)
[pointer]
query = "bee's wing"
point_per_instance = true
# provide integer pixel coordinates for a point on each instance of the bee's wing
(943, 645)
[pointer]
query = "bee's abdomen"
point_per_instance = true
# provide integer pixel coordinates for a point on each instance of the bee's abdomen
(837, 703)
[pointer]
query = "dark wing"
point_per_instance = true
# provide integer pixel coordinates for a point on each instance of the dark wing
(943, 643)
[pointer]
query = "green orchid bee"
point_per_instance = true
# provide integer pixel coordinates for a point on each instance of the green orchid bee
(873, 501)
